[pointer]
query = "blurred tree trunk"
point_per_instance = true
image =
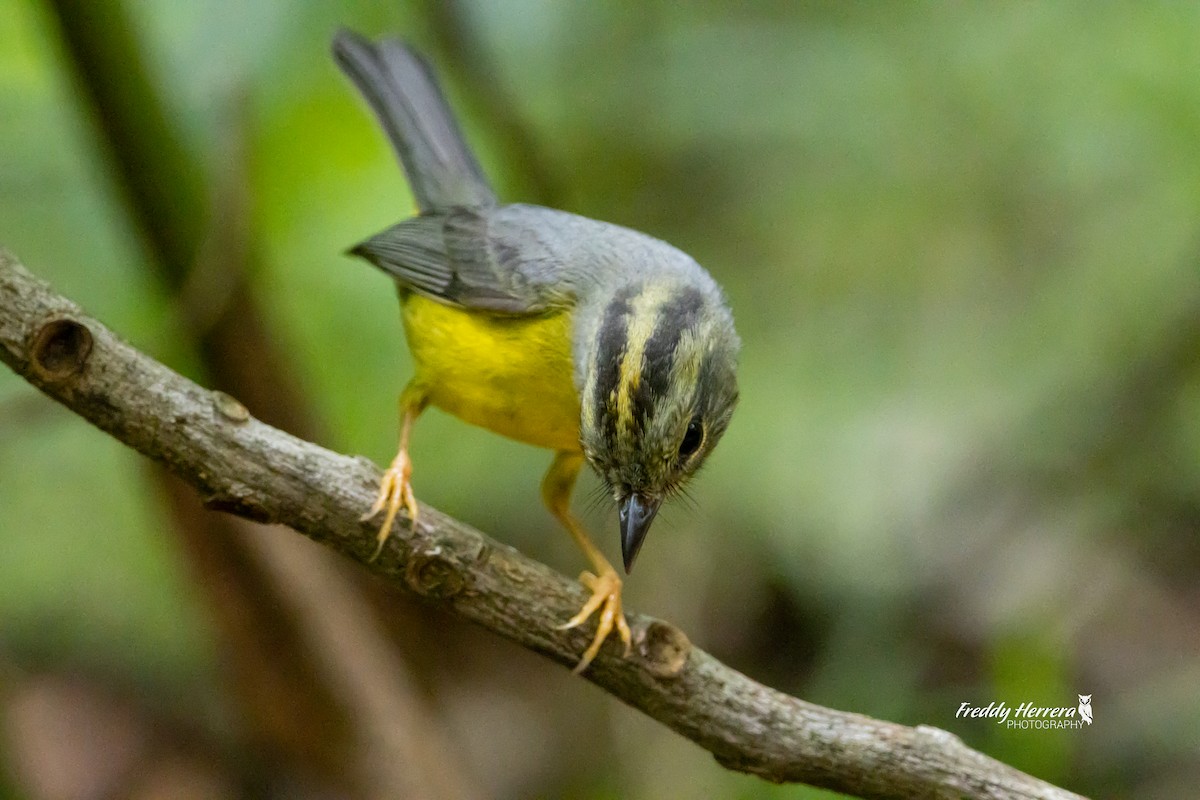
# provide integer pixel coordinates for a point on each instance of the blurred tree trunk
(300, 706)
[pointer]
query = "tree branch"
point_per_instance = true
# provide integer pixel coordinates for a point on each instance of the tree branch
(246, 467)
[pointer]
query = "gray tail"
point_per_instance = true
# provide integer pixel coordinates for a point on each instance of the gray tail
(404, 94)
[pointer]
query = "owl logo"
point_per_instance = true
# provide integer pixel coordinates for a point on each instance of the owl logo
(1085, 708)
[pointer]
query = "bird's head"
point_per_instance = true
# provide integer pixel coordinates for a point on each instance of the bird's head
(659, 389)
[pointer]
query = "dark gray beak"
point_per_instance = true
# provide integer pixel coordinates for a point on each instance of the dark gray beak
(637, 512)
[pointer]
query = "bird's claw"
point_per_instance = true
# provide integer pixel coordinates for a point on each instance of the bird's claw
(395, 492)
(606, 598)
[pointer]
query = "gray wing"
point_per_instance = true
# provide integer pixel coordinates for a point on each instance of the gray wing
(519, 259)
(459, 257)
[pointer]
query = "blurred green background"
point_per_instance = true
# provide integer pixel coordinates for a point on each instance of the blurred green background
(960, 242)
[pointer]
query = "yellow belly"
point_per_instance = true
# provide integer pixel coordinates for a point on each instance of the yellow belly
(511, 375)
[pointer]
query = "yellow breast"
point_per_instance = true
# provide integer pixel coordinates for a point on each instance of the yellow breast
(511, 375)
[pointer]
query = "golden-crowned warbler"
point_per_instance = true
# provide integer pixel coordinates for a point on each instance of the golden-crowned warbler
(590, 339)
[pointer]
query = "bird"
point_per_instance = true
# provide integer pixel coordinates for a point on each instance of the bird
(593, 340)
(1085, 708)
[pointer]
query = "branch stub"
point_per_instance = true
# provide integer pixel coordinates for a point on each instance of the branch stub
(60, 348)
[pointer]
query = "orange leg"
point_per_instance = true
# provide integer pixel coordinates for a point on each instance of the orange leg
(395, 490)
(605, 584)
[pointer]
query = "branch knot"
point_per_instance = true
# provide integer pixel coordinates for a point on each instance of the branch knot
(59, 348)
(431, 573)
(661, 648)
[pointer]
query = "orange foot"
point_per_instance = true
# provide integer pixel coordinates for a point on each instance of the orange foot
(606, 598)
(395, 491)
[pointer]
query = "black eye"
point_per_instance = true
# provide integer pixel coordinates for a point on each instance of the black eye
(692, 438)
